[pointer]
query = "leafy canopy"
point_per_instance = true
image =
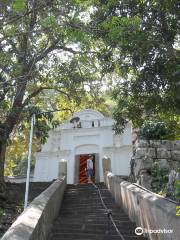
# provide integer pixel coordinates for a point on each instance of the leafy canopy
(45, 52)
(142, 48)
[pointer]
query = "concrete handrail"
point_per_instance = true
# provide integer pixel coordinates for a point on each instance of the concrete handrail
(36, 220)
(148, 210)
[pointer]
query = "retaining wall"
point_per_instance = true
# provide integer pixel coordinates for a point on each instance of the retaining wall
(148, 210)
(36, 220)
(166, 155)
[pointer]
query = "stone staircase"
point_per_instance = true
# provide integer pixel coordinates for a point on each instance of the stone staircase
(83, 217)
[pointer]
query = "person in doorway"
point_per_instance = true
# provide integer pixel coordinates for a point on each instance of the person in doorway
(90, 171)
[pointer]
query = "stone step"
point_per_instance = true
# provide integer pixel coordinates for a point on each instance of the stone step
(89, 207)
(96, 219)
(92, 211)
(83, 217)
(85, 236)
(92, 225)
(97, 229)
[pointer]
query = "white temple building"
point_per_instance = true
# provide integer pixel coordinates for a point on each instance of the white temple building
(88, 133)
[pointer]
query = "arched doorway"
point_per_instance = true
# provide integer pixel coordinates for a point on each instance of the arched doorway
(82, 168)
(82, 153)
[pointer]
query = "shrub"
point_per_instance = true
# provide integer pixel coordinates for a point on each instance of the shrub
(177, 189)
(154, 130)
(160, 178)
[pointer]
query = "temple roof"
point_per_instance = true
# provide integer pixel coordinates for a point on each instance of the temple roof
(89, 114)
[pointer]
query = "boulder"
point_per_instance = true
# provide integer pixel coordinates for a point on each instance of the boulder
(143, 152)
(175, 164)
(155, 143)
(163, 153)
(142, 163)
(163, 163)
(166, 144)
(176, 145)
(145, 180)
(176, 155)
(142, 143)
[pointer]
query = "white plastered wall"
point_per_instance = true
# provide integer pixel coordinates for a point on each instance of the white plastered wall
(66, 143)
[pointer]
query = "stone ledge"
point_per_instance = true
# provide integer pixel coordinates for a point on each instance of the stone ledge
(147, 209)
(167, 144)
(36, 221)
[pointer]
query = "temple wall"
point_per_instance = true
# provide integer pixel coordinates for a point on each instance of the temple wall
(66, 142)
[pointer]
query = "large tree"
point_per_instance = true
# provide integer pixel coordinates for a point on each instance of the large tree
(17, 149)
(142, 48)
(41, 49)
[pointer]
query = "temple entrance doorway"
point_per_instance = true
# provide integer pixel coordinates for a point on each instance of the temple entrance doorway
(83, 165)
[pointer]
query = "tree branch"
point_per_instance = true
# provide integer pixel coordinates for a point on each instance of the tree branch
(39, 90)
(67, 49)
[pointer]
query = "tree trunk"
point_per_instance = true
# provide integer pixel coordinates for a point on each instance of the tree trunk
(5, 130)
(2, 161)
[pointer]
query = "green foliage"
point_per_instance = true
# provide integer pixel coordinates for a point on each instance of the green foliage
(21, 165)
(41, 130)
(17, 151)
(50, 54)
(160, 178)
(154, 131)
(20, 208)
(177, 189)
(2, 212)
(143, 50)
(19, 5)
(160, 128)
(48, 60)
(10, 168)
(49, 21)
(121, 123)
(177, 186)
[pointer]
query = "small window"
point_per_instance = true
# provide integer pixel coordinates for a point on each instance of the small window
(92, 123)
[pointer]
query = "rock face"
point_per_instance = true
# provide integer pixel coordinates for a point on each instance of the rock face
(163, 154)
